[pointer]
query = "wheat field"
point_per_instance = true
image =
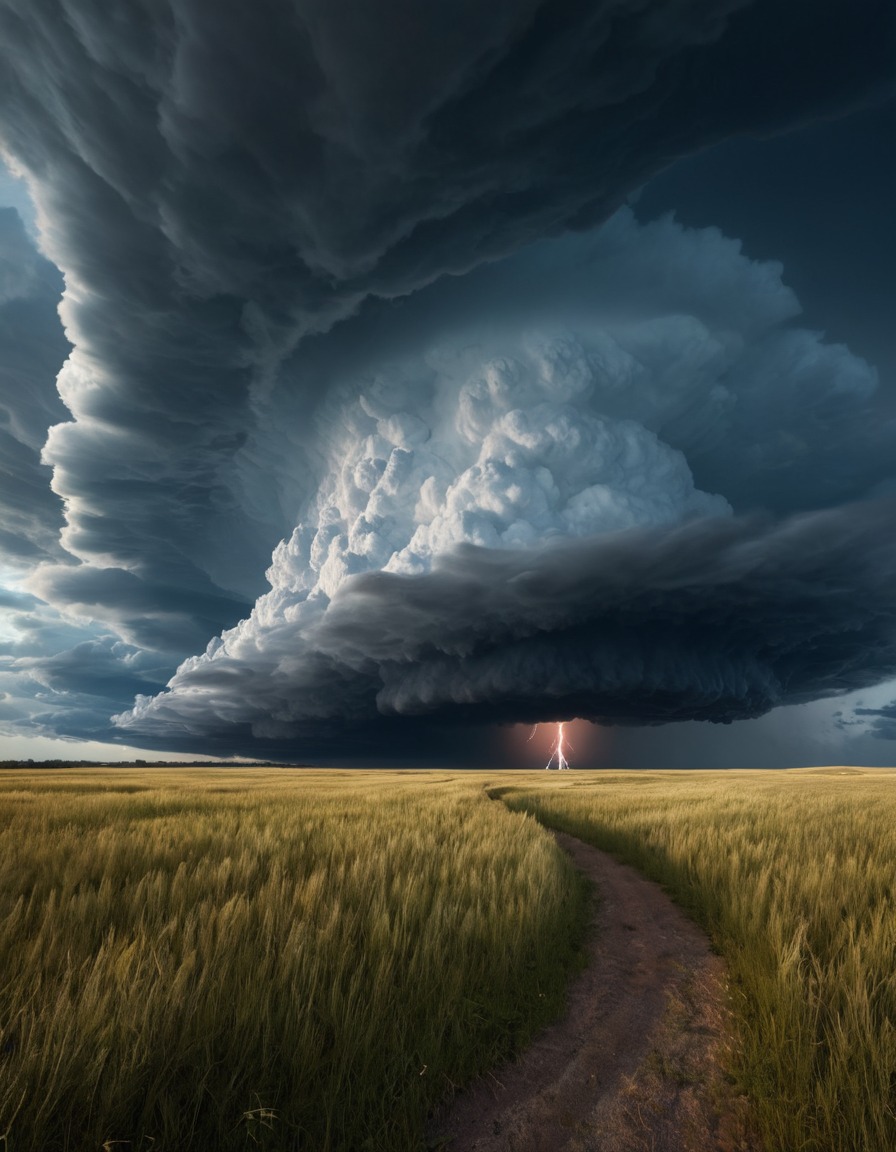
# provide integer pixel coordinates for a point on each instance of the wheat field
(284, 960)
(794, 876)
(291, 960)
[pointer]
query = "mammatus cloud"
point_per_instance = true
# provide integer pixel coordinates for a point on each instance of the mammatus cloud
(255, 212)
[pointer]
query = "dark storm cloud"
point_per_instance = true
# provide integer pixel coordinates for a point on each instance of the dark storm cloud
(718, 619)
(883, 722)
(17, 601)
(31, 709)
(105, 667)
(172, 619)
(32, 349)
(59, 676)
(819, 200)
(219, 183)
(548, 434)
(218, 180)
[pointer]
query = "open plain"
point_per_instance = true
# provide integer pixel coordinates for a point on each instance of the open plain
(290, 959)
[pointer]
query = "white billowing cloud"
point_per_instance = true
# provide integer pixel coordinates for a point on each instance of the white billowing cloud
(515, 458)
(672, 328)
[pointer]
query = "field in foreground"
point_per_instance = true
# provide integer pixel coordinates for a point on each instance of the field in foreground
(793, 874)
(284, 960)
(298, 960)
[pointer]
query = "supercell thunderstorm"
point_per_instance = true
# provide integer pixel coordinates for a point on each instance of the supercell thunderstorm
(377, 411)
(504, 531)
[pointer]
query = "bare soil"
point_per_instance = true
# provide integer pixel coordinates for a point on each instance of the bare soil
(637, 1064)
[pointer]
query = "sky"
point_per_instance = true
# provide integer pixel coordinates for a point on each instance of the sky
(383, 383)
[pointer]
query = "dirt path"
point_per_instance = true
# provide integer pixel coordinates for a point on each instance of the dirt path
(634, 1066)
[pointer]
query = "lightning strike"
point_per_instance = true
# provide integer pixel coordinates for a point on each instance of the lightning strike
(557, 751)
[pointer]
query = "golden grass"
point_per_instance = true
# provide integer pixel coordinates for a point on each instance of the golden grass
(299, 960)
(264, 959)
(794, 876)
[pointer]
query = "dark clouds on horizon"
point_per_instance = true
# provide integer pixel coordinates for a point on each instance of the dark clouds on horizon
(720, 619)
(252, 210)
(884, 723)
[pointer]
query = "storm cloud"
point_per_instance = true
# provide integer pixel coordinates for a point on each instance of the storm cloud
(883, 720)
(503, 532)
(217, 183)
(719, 619)
(334, 289)
(32, 348)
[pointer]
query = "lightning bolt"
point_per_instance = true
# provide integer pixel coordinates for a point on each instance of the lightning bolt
(557, 750)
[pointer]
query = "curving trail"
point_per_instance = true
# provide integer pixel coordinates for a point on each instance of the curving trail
(635, 1064)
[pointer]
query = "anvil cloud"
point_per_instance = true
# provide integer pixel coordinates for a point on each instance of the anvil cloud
(354, 286)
